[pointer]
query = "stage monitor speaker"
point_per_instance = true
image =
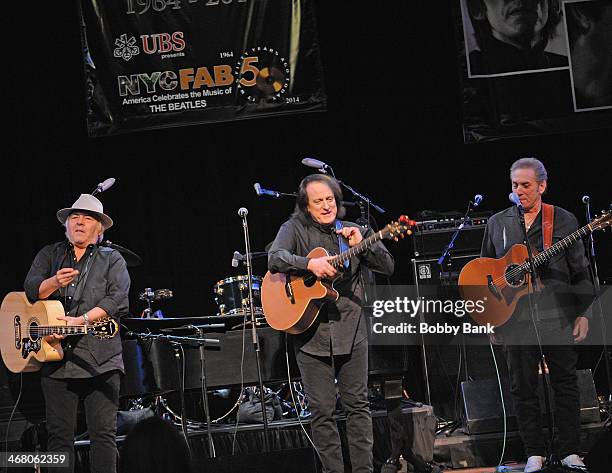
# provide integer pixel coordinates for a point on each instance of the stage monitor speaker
(483, 408)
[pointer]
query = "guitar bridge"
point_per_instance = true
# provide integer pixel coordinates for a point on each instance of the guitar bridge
(17, 326)
(493, 287)
(289, 291)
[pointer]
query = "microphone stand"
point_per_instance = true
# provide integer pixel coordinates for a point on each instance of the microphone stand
(255, 339)
(446, 254)
(177, 343)
(445, 263)
(211, 447)
(552, 463)
(597, 293)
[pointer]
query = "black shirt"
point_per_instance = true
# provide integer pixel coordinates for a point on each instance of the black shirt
(104, 282)
(338, 326)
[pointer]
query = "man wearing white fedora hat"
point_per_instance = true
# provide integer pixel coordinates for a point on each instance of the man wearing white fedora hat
(91, 282)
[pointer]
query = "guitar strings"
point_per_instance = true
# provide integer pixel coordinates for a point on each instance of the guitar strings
(542, 257)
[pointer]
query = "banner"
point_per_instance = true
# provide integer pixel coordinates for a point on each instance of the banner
(162, 63)
(535, 66)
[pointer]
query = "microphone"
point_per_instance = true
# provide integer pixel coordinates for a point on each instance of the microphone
(515, 200)
(586, 199)
(477, 200)
(315, 163)
(236, 258)
(242, 212)
(261, 191)
(104, 186)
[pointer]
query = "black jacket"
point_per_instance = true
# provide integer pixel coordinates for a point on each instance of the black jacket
(568, 290)
(338, 326)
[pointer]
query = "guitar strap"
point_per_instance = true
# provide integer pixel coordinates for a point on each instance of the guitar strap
(548, 218)
(341, 242)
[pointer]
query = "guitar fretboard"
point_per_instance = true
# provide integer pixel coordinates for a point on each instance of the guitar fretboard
(558, 247)
(44, 330)
(338, 260)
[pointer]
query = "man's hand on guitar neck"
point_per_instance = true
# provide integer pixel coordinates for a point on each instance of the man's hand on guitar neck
(321, 268)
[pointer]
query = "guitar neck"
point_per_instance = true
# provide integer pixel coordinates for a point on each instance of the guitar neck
(338, 260)
(45, 330)
(560, 246)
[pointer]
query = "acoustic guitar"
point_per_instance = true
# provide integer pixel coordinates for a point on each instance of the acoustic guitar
(291, 303)
(501, 282)
(26, 332)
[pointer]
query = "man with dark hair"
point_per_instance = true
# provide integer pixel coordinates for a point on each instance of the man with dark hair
(512, 35)
(566, 292)
(335, 346)
(91, 282)
(589, 26)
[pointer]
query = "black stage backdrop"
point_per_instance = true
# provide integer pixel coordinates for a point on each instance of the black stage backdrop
(392, 131)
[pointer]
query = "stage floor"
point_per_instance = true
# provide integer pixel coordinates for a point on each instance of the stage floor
(457, 452)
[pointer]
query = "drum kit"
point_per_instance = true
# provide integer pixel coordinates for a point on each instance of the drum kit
(230, 294)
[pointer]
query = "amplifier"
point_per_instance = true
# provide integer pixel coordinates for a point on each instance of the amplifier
(427, 271)
(432, 236)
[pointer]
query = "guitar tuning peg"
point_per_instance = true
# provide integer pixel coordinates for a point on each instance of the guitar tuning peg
(395, 238)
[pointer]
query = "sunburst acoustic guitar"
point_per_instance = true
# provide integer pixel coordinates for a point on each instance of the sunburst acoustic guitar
(502, 282)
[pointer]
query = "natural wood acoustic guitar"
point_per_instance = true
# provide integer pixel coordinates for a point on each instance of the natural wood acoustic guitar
(291, 303)
(26, 332)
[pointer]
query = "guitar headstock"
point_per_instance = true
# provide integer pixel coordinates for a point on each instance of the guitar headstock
(603, 221)
(399, 228)
(104, 328)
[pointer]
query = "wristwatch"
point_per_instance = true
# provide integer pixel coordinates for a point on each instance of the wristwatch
(86, 318)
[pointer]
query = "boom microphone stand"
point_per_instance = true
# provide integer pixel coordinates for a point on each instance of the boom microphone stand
(445, 263)
(242, 212)
(586, 200)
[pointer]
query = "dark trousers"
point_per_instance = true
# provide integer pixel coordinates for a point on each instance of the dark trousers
(100, 396)
(523, 363)
(351, 371)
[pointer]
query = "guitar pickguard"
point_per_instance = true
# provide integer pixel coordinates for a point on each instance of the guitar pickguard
(29, 346)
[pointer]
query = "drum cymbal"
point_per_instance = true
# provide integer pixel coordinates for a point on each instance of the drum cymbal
(131, 258)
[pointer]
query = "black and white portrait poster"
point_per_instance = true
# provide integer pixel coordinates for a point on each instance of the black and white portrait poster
(535, 66)
(162, 63)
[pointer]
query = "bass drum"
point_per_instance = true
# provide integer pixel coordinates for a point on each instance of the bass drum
(232, 295)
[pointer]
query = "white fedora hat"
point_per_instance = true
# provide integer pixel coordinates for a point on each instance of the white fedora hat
(86, 203)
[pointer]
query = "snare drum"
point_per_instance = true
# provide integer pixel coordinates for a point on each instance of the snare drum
(232, 295)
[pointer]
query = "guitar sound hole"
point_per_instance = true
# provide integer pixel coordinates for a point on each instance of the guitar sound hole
(310, 280)
(514, 277)
(33, 331)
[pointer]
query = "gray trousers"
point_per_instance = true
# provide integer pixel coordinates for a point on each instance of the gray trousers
(351, 371)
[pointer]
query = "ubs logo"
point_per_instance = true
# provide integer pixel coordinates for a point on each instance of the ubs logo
(158, 43)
